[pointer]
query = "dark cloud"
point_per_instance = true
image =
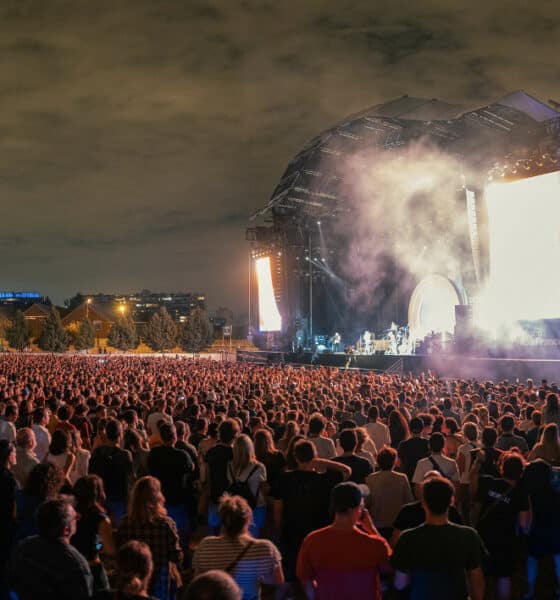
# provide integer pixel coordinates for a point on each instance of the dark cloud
(138, 135)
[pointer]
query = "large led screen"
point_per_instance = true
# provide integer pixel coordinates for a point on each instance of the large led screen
(524, 251)
(269, 316)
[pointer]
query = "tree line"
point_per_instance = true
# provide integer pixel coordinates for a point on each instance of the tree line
(159, 334)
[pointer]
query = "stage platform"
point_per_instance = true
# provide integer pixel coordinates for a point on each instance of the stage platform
(464, 367)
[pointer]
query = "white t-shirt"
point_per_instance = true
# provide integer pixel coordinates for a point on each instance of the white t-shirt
(447, 466)
(325, 447)
(151, 423)
(7, 431)
(43, 439)
(379, 433)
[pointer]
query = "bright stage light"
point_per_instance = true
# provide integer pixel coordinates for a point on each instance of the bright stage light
(432, 307)
(269, 316)
(524, 235)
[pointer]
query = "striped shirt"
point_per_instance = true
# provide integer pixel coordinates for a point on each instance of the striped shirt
(256, 566)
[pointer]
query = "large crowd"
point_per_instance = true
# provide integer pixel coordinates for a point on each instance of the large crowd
(125, 478)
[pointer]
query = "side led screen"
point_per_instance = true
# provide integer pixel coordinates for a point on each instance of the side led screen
(524, 236)
(269, 316)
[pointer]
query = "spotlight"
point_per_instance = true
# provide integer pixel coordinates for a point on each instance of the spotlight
(319, 223)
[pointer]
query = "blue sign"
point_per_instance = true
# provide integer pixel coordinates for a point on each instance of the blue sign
(19, 295)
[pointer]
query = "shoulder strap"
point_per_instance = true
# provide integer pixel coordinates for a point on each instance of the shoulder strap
(436, 466)
(234, 562)
(497, 501)
(251, 473)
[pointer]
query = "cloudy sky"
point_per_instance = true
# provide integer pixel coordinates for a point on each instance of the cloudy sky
(137, 136)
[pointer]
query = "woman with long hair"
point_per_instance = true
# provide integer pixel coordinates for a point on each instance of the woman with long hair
(60, 453)
(549, 447)
(398, 428)
(146, 520)
(551, 410)
(292, 429)
(249, 561)
(246, 470)
(44, 482)
(94, 533)
(268, 455)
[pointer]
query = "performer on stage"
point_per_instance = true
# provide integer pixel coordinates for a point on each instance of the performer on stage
(336, 342)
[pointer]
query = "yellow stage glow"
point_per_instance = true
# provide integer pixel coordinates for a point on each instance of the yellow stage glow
(269, 316)
(524, 235)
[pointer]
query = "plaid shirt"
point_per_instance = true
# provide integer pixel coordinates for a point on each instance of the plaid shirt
(160, 535)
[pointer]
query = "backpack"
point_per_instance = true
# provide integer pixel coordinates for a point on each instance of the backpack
(242, 488)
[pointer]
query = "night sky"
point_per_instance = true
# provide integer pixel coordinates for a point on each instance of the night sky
(137, 136)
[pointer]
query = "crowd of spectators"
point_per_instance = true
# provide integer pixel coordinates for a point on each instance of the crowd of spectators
(125, 478)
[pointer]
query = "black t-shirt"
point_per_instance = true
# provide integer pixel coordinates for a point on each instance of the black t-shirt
(360, 466)
(275, 464)
(172, 467)
(437, 557)
(217, 458)
(539, 481)
(8, 487)
(411, 515)
(306, 497)
(86, 537)
(115, 467)
(410, 452)
(500, 505)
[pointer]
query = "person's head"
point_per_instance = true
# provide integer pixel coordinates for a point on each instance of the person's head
(373, 414)
(470, 431)
(386, 458)
(264, 444)
(348, 440)
(25, 438)
(450, 426)
(347, 500)
(146, 502)
(168, 434)
(512, 466)
(292, 429)
(56, 519)
(243, 453)
(507, 423)
(40, 416)
(113, 431)
(213, 585)
(316, 424)
(64, 412)
(236, 515)
(228, 431)
(489, 437)
(132, 440)
(89, 493)
(134, 568)
(60, 442)
(437, 493)
(436, 443)
(416, 426)
(45, 480)
(7, 454)
(291, 462)
(536, 417)
(304, 452)
(11, 413)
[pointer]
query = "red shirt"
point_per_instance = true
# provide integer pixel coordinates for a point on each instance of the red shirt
(344, 564)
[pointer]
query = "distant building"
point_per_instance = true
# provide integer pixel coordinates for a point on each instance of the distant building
(35, 317)
(20, 300)
(101, 317)
(143, 305)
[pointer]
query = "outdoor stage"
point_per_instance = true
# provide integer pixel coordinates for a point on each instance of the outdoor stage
(464, 367)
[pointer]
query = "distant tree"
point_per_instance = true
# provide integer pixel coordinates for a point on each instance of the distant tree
(17, 332)
(196, 333)
(123, 334)
(75, 301)
(161, 331)
(84, 338)
(54, 338)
